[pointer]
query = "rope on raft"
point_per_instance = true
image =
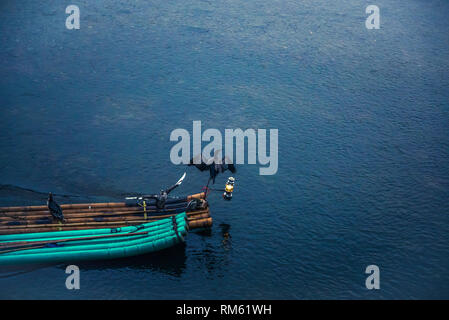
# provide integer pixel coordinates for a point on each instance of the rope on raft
(175, 228)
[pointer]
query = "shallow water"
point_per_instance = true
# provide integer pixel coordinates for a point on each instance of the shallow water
(363, 123)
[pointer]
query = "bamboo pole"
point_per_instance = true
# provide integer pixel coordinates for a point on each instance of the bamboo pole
(193, 214)
(24, 244)
(74, 226)
(93, 226)
(7, 219)
(91, 210)
(193, 218)
(65, 206)
(200, 223)
(55, 229)
(90, 205)
(83, 222)
(89, 214)
(101, 218)
(200, 195)
(200, 216)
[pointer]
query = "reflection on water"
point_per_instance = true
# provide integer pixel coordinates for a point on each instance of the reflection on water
(213, 252)
(171, 261)
(225, 228)
(13, 271)
(203, 232)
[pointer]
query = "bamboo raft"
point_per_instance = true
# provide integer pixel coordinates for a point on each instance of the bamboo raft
(83, 216)
(92, 244)
(30, 234)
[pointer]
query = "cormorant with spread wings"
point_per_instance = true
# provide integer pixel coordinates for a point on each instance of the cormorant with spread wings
(215, 165)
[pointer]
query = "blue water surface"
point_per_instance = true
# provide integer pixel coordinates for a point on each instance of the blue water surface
(363, 120)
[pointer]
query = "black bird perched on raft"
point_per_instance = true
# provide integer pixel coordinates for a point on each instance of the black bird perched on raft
(215, 165)
(54, 208)
(161, 198)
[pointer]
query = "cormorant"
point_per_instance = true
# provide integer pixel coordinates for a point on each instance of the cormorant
(215, 165)
(54, 208)
(161, 198)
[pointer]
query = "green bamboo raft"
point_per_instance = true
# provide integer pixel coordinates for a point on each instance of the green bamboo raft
(93, 244)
